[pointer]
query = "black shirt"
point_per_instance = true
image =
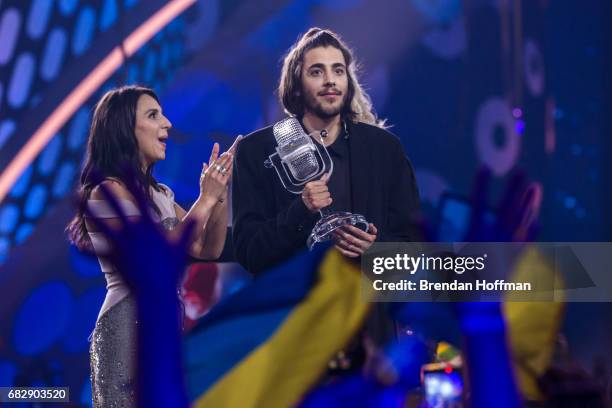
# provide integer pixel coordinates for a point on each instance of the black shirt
(270, 224)
(339, 184)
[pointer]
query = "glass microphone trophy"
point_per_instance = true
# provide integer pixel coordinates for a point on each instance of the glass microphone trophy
(299, 160)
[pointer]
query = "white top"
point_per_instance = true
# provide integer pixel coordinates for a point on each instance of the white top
(116, 289)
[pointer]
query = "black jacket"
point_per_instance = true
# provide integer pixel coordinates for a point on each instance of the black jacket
(270, 224)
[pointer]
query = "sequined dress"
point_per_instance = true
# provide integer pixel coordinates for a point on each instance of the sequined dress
(113, 345)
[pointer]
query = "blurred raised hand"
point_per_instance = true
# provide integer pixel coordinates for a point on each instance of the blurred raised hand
(151, 263)
(482, 323)
(516, 211)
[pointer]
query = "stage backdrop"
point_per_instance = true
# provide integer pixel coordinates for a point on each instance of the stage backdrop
(515, 84)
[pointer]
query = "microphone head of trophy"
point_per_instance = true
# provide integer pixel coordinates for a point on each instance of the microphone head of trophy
(296, 149)
(299, 159)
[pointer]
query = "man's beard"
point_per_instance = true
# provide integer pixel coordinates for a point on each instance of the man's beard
(313, 105)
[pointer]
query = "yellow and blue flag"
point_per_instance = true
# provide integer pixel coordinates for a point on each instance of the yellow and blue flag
(269, 343)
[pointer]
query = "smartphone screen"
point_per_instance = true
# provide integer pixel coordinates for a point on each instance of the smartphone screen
(443, 388)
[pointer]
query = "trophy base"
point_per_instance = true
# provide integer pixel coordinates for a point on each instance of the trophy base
(323, 229)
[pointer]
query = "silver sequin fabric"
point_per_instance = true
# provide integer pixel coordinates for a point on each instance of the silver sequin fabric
(113, 344)
(169, 223)
(112, 351)
(113, 356)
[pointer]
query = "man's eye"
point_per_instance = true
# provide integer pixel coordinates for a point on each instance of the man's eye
(315, 72)
(340, 71)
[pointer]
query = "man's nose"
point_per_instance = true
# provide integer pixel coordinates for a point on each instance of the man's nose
(329, 82)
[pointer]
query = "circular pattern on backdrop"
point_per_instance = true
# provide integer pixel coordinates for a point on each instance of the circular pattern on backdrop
(50, 44)
(5, 245)
(10, 23)
(35, 201)
(130, 3)
(7, 128)
(83, 30)
(9, 215)
(53, 55)
(497, 143)
(64, 179)
(21, 80)
(23, 232)
(38, 18)
(20, 187)
(108, 15)
(438, 11)
(534, 68)
(47, 160)
(67, 6)
(42, 318)
(78, 129)
(446, 43)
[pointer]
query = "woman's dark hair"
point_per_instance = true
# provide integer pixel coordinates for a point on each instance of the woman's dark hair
(112, 152)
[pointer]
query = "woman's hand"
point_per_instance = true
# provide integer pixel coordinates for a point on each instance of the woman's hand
(232, 151)
(217, 173)
(215, 177)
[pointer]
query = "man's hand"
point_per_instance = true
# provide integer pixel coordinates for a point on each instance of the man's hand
(316, 194)
(353, 242)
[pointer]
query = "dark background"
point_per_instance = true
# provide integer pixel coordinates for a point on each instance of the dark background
(508, 84)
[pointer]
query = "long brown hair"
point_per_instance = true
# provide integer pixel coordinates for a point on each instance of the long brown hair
(112, 151)
(358, 107)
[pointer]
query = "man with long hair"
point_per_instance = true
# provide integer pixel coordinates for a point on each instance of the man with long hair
(371, 175)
